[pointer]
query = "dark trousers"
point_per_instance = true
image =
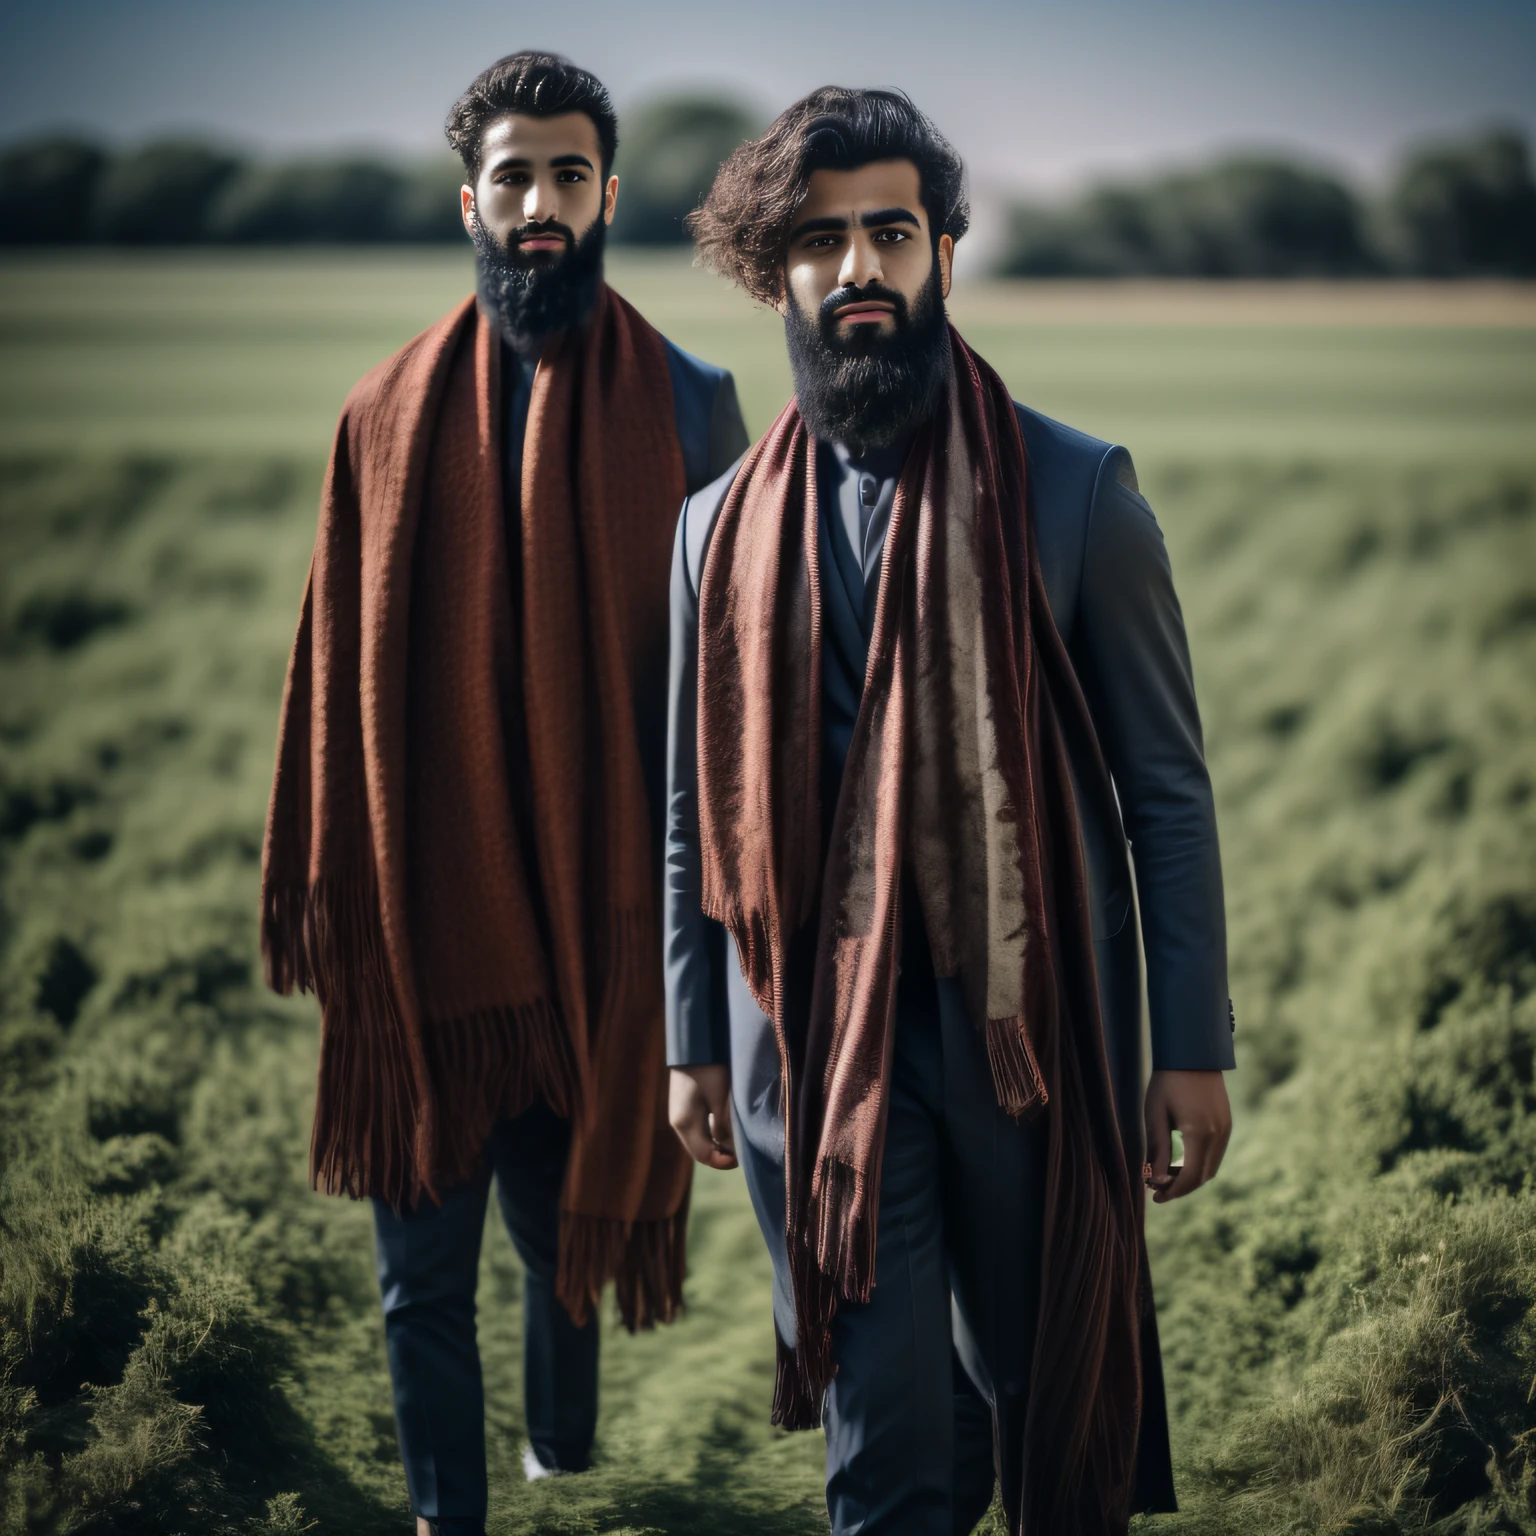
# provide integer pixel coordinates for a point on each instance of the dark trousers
(428, 1262)
(946, 1341)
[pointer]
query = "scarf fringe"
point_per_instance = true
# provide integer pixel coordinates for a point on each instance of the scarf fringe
(284, 952)
(802, 1374)
(844, 1222)
(1016, 1077)
(754, 948)
(490, 1065)
(369, 1137)
(370, 1102)
(795, 1404)
(646, 1260)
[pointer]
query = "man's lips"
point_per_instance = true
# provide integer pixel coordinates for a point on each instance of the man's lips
(870, 312)
(541, 243)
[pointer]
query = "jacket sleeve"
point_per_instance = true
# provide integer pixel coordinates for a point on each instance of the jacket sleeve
(1143, 695)
(694, 945)
(728, 438)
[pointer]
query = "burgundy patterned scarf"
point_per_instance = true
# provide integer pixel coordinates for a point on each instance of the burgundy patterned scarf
(958, 776)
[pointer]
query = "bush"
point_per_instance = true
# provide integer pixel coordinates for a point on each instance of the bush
(45, 191)
(668, 157)
(160, 195)
(309, 201)
(1241, 218)
(1455, 210)
(1460, 209)
(426, 203)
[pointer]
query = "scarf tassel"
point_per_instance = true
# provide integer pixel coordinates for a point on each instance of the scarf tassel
(646, 1260)
(284, 951)
(844, 1222)
(327, 940)
(1016, 1077)
(369, 1107)
(491, 1065)
(754, 949)
(796, 1404)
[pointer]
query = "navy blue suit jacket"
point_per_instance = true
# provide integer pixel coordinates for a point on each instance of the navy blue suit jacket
(1110, 588)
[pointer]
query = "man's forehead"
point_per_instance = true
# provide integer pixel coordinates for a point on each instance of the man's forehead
(523, 135)
(880, 184)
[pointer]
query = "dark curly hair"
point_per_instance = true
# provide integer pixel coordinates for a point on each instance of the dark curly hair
(742, 228)
(538, 84)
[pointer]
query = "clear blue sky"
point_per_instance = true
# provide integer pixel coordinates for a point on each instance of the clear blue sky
(1034, 95)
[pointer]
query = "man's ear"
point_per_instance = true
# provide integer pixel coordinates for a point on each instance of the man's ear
(946, 263)
(610, 199)
(467, 209)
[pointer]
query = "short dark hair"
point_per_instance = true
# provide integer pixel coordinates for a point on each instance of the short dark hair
(538, 84)
(742, 229)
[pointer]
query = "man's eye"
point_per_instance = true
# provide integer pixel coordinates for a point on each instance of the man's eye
(892, 236)
(570, 176)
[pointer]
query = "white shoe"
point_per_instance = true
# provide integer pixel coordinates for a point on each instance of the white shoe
(533, 1468)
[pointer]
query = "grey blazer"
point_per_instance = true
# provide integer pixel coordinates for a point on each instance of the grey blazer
(1111, 593)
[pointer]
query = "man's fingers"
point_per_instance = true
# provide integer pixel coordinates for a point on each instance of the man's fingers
(721, 1131)
(696, 1140)
(1159, 1144)
(1196, 1170)
(1193, 1102)
(703, 1128)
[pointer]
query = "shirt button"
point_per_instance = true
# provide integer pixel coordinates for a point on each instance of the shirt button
(869, 490)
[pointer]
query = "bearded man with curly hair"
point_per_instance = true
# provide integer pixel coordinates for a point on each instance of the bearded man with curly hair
(930, 701)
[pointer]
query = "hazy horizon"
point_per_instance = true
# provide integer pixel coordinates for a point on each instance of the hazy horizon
(1037, 98)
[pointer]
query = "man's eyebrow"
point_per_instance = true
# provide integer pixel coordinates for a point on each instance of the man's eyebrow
(523, 163)
(888, 216)
(830, 224)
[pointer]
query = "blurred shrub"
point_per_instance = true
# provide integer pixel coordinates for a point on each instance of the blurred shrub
(668, 157)
(45, 191)
(426, 203)
(1470, 208)
(159, 195)
(337, 202)
(1240, 218)
(1455, 210)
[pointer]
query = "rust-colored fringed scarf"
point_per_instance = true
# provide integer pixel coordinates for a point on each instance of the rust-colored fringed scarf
(958, 774)
(459, 853)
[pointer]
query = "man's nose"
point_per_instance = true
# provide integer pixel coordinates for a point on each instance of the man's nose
(538, 202)
(861, 265)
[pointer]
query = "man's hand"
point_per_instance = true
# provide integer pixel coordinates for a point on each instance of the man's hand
(699, 1107)
(1195, 1105)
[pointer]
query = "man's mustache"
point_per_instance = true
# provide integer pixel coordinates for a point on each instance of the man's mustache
(870, 293)
(547, 228)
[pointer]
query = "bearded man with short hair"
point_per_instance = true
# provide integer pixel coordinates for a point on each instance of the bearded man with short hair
(463, 848)
(928, 676)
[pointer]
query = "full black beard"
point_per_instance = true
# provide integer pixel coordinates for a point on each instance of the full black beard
(530, 296)
(861, 388)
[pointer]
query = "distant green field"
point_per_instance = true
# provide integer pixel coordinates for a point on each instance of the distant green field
(189, 1338)
(240, 352)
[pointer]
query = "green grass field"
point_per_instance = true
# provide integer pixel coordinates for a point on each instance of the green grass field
(189, 1338)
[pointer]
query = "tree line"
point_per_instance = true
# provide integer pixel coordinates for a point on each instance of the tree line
(1457, 209)
(1454, 209)
(69, 191)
